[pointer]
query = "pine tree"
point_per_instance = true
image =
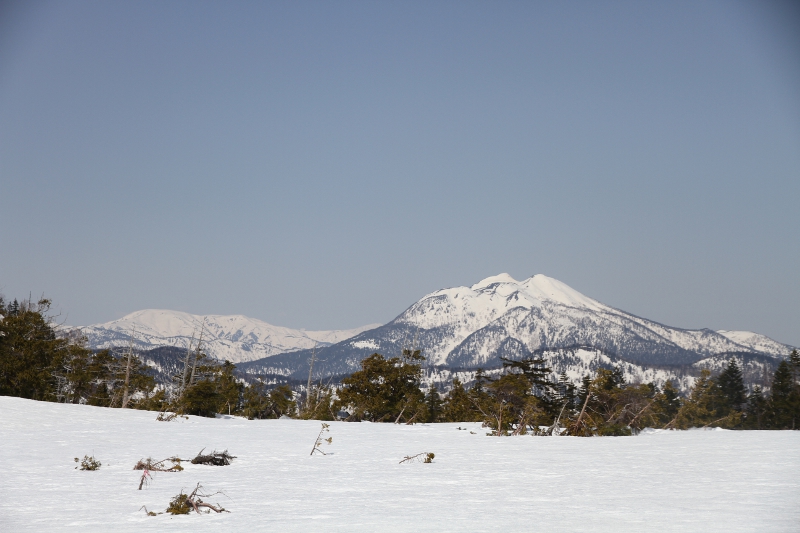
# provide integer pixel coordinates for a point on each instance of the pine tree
(384, 390)
(756, 409)
(433, 405)
(706, 406)
(794, 363)
(229, 390)
(784, 403)
(458, 406)
(668, 403)
(731, 385)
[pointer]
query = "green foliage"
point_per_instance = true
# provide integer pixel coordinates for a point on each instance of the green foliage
(212, 388)
(384, 390)
(36, 363)
(458, 406)
(731, 387)
(784, 404)
(706, 406)
(666, 405)
(433, 405)
(610, 407)
(201, 399)
(521, 398)
(260, 403)
(756, 410)
(28, 351)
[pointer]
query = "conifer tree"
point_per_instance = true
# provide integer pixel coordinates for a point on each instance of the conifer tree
(784, 403)
(667, 404)
(433, 405)
(756, 409)
(384, 390)
(706, 406)
(458, 407)
(731, 385)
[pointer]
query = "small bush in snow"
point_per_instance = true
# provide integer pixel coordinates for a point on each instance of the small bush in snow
(88, 463)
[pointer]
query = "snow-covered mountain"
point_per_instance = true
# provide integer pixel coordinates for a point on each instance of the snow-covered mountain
(236, 338)
(470, 327)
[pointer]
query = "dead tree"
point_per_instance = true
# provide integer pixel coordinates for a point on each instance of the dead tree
(197, 352)
(125, 389)
(214, 458)
(186, 366)
(310, 371)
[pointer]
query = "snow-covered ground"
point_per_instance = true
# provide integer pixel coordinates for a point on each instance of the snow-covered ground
(660, 481)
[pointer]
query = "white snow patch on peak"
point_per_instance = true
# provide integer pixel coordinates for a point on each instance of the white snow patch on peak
(491, 280)
(546, 288)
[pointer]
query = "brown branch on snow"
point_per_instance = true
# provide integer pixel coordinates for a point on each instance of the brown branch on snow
(424, 457)
(148, 465)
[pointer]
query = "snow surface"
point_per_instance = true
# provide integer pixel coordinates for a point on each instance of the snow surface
(705, 481)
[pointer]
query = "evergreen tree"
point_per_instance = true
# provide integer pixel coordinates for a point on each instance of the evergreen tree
(433, 405)
(384, 390)
(794, 364)
(28, 351)
(706, 406)
(458, 406)
(229, 390)
(731, 386)
(756, 409)
(667, 404)
(784, 403)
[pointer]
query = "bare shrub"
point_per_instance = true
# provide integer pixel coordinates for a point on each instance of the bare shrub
(184, 503)
(148, 465)
(318, 443)
(88, 463)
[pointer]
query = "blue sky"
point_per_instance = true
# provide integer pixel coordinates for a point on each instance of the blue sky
(325, 164)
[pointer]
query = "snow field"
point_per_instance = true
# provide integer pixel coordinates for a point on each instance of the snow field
(659, 481)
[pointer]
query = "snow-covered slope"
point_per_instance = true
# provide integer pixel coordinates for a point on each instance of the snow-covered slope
(469, 327)
(236, 338)
(757, 342)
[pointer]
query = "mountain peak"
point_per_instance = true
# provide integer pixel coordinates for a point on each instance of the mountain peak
(500, 278)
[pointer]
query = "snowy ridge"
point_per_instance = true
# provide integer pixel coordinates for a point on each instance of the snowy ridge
(236, 338)
(757, 342)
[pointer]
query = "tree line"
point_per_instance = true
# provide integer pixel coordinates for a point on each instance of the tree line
(524, 397)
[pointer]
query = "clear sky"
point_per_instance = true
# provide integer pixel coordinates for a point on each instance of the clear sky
(325, 164)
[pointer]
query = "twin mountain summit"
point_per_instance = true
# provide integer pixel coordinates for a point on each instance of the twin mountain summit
(458, 330)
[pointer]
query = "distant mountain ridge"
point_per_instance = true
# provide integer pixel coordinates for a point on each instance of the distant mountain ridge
(236, 338)
(471, 327)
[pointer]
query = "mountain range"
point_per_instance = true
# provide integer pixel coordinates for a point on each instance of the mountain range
(472, 327)
(236, 338)
(461, 328)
